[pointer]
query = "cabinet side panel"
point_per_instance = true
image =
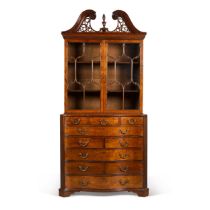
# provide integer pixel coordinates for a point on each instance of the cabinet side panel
(145, 151)
(62, 178)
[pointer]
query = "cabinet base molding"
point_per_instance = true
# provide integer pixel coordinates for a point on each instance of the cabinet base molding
(143, 192)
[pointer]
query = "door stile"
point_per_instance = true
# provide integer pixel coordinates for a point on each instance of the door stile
(103, 75)
(66, 58)
(141, 78)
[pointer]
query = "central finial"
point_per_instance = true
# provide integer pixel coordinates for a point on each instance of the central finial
(104, 29)
(104, 20)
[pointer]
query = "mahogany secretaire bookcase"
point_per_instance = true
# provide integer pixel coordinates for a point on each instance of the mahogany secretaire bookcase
(103, 129)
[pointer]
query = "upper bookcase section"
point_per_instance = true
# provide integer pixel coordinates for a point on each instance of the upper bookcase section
(82, 29)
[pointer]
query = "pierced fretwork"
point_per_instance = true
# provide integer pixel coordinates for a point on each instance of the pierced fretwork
(121, 26)
(86, 26)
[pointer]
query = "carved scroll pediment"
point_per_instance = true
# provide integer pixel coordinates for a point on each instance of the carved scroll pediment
(83, 24)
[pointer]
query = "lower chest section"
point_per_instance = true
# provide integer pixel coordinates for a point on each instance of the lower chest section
(103, 152)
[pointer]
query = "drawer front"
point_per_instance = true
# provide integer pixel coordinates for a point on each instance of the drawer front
(104, 155)
(132, 120)
(108, 182)
(104, 121)
(125, 167)
(76, 142)
(99, 121)
(124, 142)
(83, 168)
(104, 131)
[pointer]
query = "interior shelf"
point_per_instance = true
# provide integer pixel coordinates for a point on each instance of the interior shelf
(120, 91)
(85, 62)
(98, 62)
(81, 91)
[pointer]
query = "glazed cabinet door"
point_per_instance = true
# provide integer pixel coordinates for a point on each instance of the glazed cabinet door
(124, 76)
(82, 76)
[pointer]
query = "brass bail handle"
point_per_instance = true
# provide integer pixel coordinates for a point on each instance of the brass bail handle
(83, 143)
(103, 122)
(83, 155)
(124, 169)
(76, 121)
(83, 168)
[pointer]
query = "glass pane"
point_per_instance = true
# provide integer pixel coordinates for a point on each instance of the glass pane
(123, 76)
(84, 83)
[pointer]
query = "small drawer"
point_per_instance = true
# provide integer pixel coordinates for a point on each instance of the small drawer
(104, 131)
(104, 154)
(75, 142)
(106, 182)
(135, 142)
(125, 167)
(132, 120)
(83, 168)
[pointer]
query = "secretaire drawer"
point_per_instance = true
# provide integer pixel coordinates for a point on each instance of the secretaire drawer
(77, 142)
(106, 182)
(105, 131)
(132, 120)
(104, 154)
(99, 121)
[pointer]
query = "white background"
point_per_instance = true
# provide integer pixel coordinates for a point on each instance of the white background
(176, 99)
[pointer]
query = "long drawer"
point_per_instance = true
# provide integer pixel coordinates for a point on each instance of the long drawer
(96, 142)
(104, 154)
(108, 168)
(104, 131)
(108, 182)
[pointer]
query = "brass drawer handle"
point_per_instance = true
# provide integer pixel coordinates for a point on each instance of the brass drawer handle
(123, 182)
(124, 169)
(84, 183)
(103, 122)
(123, 156)
(83, 143)
(83, 155)
(123, 132)
(83, 168)
(123, 144)
(76, 121)
(81, 131)
(132, 121)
